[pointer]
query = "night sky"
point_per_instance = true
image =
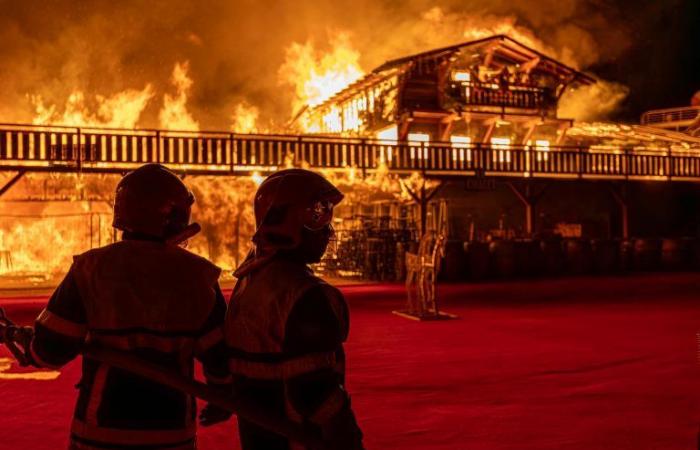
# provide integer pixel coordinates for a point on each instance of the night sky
(662, 66)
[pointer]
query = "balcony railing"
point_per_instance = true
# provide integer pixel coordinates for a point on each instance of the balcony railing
(36, 148)
(671, 117)
(508, 96)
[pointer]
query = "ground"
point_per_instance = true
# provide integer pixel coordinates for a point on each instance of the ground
(586, 363)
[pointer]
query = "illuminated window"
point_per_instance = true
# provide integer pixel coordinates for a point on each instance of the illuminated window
(542, 149)
(387, 136)
(460, 148)
(460, 75)
(416, 140)
(501, 150)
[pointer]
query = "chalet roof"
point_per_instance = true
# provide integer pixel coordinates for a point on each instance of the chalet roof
(508, 46)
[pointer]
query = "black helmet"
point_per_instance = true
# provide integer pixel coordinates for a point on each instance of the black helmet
(290, 200)
(154, 201)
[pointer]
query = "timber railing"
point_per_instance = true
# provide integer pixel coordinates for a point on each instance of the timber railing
(68, 149)
(671, 116)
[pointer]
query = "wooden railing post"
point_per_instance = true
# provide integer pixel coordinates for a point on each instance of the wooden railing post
(79, 151)
(232, 152)
(160, 157)
(363, 157)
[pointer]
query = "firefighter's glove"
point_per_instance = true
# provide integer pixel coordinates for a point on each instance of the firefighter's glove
(212, 414)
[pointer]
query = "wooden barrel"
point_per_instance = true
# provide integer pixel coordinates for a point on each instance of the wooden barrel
(528, 257)
(503, 258)
(454, 265)
(578, 256)
(552, 256)
(626, 261)
(477, 260)
(647, 254)
(606, 255)
(695, 264)
(676, 253)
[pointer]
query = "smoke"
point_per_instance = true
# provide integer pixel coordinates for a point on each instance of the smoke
(50, 50)
(595, 102)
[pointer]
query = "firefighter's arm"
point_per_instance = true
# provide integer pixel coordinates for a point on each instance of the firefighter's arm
(211, 351)
(319, 396)
(60, 329)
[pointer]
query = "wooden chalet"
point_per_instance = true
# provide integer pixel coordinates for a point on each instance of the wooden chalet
(491, 91)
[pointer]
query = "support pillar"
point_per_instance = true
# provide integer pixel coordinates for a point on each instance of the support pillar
(529, 196)
(621, 195)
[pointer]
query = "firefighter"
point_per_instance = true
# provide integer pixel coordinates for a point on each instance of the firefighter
(145, 295)
(285, 327)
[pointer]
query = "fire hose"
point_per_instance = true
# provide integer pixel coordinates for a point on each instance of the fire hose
(17, 338)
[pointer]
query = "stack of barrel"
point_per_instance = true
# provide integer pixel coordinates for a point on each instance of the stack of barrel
(525, 258)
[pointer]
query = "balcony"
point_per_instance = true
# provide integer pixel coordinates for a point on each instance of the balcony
(503, 96)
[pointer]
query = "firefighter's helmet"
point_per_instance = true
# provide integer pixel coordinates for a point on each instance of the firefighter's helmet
(289, 201)
(154, 201)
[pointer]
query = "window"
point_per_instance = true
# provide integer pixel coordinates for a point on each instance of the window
(501, 150)
(416, 140)
(460, 148)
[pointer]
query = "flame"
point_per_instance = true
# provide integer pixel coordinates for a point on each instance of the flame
(316, 77)
(245, 118)
(35, 244)
(122, 110)
(174, 114)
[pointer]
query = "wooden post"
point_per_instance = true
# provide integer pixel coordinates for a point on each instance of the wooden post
(621, 196)
(529, 200)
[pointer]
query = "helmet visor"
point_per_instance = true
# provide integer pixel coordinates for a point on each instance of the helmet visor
(318, 215)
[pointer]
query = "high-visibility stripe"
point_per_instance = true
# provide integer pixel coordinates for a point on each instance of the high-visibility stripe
(282, 370)
(210, 339)
(96, 391)
(144, 340)
(129, 436)
(60, 325)
(329, 408)
(39, 361)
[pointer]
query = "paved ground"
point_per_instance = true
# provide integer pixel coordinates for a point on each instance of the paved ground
(569, 364)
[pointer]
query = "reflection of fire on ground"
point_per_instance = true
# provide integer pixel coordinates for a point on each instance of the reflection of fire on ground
(6, 364)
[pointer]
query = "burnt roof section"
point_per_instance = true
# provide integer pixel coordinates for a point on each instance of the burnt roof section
(516, 51)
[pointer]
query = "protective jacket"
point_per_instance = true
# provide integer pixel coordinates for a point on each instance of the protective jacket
(284, 329)
(161, 303)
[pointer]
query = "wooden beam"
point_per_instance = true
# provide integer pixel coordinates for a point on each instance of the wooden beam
(489, 132)
(12, 182)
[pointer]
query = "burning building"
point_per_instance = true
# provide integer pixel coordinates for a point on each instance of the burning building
(468, 135)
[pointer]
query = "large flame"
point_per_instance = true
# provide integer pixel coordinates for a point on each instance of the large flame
(122, 110)
(245, 118)
(174, 114)
(316, 76)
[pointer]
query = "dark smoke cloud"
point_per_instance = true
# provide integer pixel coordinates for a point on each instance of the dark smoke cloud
(235, 48)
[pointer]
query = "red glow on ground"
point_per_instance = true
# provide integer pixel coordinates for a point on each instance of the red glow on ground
(567, 364)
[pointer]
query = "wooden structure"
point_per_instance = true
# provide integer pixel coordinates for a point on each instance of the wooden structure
(422, 269)
(31, 148)
(471, 92)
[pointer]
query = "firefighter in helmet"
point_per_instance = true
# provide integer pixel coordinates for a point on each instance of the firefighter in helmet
(145, 295)
(285, 327)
